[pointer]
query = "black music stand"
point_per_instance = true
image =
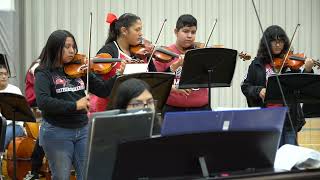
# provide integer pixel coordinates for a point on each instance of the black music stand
(109, 128)
(160, 84)
(207, 68)
(297, 88)
(190, 156)
(15, 108)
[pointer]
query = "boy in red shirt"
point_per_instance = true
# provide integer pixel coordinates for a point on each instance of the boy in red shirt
(183, 99)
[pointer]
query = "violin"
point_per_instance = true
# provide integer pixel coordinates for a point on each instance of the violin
(293, 61)
(78, 66)
(144, 50)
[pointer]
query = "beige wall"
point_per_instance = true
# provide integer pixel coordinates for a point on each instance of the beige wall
(237, 26)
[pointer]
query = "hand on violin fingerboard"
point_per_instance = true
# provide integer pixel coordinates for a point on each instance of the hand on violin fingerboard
(308, 65)
(174, 66)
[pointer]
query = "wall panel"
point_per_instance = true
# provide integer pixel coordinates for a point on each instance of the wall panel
(237, 27)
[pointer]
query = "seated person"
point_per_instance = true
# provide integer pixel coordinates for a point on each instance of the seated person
(135, 94)
(5, 87)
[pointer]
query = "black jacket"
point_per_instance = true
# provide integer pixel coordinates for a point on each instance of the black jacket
(255, 81)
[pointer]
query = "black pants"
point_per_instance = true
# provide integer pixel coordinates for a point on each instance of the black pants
(37, 158)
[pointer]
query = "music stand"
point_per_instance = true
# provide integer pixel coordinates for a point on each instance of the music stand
(180, 156)
(297, 88)
(109, 128)
(15, 108)
(207, 68)
(160, 84)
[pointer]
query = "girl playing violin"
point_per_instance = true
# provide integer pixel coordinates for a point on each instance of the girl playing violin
(124, 32)
(64, 105)
(254, 85)
(183, 99)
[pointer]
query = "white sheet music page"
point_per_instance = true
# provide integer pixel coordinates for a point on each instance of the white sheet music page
(135, 68)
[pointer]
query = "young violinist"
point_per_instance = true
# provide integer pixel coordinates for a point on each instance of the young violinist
(254, 85)
(124, 32)
(64, 106)
(183, 99)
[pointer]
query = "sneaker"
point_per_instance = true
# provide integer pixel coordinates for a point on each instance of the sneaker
(31, 176)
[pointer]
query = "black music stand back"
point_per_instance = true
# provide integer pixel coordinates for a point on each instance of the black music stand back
(178, 156)
(297, 88)
(15, 108)
(160, 84)
(207, 68)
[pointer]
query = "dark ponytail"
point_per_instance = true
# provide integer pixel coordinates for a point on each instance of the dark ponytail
(126, 20)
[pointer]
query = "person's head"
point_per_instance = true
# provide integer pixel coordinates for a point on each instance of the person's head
(133, 94)
(277, 40)
(59, 49)
(128, 26)
(3, 76)
(185, 30)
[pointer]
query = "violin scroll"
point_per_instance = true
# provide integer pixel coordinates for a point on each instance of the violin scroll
(244, 56)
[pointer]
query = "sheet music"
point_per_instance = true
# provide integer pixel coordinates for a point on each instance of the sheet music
(135, 68)
(233, 108)
(289, 156)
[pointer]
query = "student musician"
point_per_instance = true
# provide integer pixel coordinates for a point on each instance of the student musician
(124, 33)
(183, 99)
(64, 106)
(254, 85)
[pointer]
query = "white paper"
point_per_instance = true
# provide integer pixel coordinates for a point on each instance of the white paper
(135, 68)
(234, 108)
(289, 156)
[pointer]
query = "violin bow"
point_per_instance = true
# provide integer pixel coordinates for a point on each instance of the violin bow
(155, 44)
(89, 55)
(277, 77)
(206, 44)
(290, 45)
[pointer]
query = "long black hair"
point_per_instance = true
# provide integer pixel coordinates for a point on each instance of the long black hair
(51, 56)
(186, 20)
(125, 20)
(128, 90)
(272, 33)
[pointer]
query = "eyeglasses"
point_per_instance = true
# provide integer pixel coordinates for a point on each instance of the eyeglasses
(139, 104)
(277, 42)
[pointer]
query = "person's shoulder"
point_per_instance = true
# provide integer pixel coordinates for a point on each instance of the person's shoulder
(257, 61)
(14, 89)
(109, 48)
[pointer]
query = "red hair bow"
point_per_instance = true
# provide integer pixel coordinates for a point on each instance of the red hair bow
(111, 18)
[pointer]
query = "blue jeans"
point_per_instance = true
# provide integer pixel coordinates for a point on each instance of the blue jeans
(64, 147)
(288, 137)
(9, 134)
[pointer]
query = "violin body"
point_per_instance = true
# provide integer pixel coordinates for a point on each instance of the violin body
(145, 48)
(101, 68)
(293, 61)
(78, 66)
